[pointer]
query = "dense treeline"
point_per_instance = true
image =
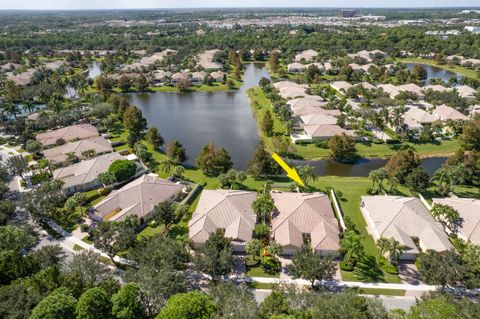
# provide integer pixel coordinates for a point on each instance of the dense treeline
(342, 40)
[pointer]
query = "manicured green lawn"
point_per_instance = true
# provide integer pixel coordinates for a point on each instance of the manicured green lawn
(77, 247)
(380, 291)
(349, 191)
(457, 69)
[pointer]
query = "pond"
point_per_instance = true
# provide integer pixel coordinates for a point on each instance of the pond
(197, 118)
(226, 119)
(434, 72)
(362, 167)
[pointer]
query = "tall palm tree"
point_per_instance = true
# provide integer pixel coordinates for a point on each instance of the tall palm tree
(17, 165)
(395, 250)
(307, 173)
(263, 207)
(11, 109)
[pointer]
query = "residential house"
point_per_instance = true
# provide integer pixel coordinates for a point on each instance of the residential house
(21, 79)
(445, 113)
(59, 154)
(227, 210)
(148, 61)
(160, 76)
(406, 220)
(415, 118)
(324, 131)
(366, 85)
(296, 67)
(318, 119)
(218, 76)
(205, 60)
(9, 67)
(466, 92)
(304, 218)
(307, 56)
(69, 133)
(138, 198)
(179, 76)
(469, 211)
(341, 86)
(199, 77)
(54, 65)
(437, 88)
(474, 111)
(82, 176)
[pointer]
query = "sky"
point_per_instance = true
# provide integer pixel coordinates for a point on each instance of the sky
(137, 4)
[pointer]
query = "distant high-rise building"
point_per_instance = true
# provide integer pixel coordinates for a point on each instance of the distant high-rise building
(347, 13)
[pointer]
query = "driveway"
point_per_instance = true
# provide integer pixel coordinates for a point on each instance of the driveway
(409, 273)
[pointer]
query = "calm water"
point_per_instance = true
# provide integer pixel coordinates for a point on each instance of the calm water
(363, 166)
(225, 118)
(434, 72)
(196, 118)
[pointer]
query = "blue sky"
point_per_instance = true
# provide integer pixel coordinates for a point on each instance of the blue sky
(129, 4)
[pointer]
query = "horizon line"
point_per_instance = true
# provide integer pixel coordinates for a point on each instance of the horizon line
(239, 7)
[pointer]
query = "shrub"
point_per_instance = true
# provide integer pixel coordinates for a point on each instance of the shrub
(393, 141)
(103, 191)
(123, 170)
(386, 266)
(321, 144)
(378, 141)
(40, 177)
(346, 266)
(84, 228)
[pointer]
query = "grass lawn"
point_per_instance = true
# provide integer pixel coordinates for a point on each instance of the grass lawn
(77, 247)
(87, 240)
(349, 191)
(259, 269)
(259, 285)
(380, 291)
(456, 68)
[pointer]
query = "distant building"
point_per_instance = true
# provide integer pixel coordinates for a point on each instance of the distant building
(347, 13)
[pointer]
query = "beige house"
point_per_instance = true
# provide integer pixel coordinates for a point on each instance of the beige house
(218, 76)
(318, 119)
(179, 76)
(59, 153)
(205, 60)
(295, 67)
(199, 77)
(302, 218)
(54, 65)
(445, 113)
(21, 79)
(228, 210)
(406, 220)
(341, 86)
(415, 118)
(82, 176)
(325, 131)
(307, 56)
(466, 91)
(69, 133)
(148, 61)
(469, 210)
(138, 197)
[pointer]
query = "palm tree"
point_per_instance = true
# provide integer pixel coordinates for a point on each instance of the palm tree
(28, 106)
(447, 215)
(383, 245)
(351, 246)
(274, 248)
(395, 250)
(17, 165)
(11, 109)
(307, 173)
(263, 207)
(167, 165)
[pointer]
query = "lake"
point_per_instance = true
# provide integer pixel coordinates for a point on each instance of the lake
(361, 167)
(434, 72)
(197, 118)
(225, 118)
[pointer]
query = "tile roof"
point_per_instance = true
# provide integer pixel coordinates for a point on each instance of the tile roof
(79, 131)
(58, 154)
(138, 197)
(224, 209)
(403, 218)
(305, 213)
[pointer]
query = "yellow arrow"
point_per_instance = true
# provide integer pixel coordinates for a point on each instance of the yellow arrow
(291, 172)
